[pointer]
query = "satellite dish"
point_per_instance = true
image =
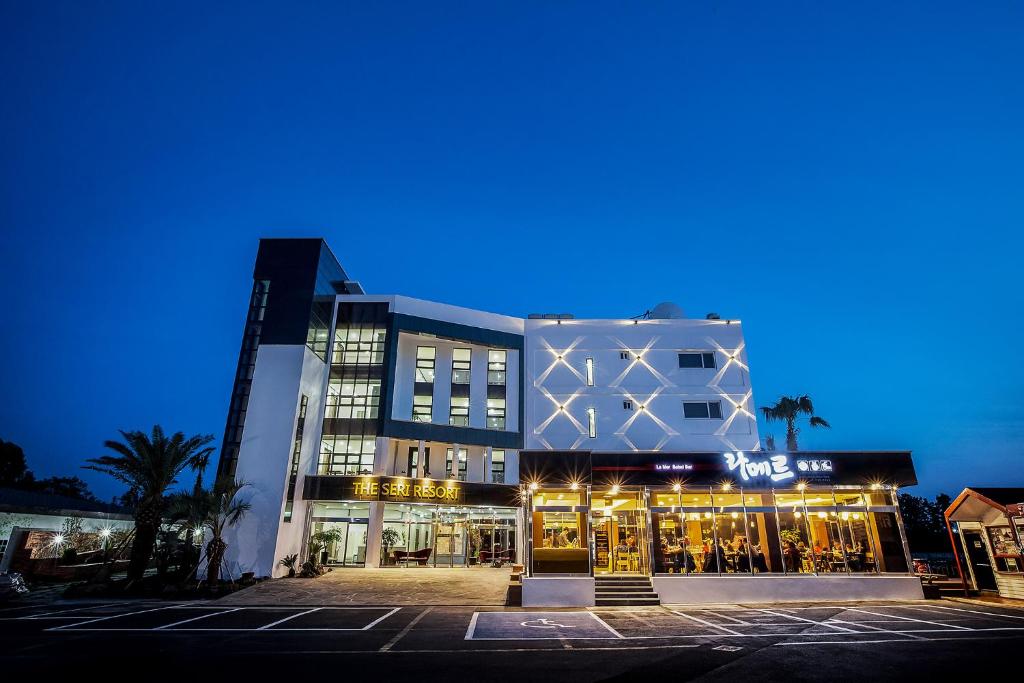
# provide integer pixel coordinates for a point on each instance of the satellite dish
(667, 310)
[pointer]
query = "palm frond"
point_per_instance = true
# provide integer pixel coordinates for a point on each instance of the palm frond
(820, 422)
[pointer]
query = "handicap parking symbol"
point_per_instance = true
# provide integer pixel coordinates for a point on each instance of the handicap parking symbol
(544, 623)
(537, 626)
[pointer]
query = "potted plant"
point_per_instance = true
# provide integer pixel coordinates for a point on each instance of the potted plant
(289, 562)
(388, 538)
(318, 544)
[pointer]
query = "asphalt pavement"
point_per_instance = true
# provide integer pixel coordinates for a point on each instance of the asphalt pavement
(871, 641)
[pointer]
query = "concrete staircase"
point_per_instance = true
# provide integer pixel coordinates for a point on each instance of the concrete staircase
(624, 590)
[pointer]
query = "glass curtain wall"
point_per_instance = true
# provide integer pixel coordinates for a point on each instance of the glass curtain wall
(803, 531)
(340, 528)
(420, 535)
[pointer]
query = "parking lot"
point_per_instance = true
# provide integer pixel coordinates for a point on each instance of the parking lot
(695, 641)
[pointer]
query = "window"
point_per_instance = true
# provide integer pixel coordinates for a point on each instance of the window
(627, 405)
(590, 372)
(592, 422)
(358, 345)
(346, 454)
(697, 359)
(461, 361)
(458, 415)
(422, 408)
(425, 356)
(495, 413)
(702, 410)
(624, 355)
(462, 463)
(353, 398)
(496, 366)
(498, 467)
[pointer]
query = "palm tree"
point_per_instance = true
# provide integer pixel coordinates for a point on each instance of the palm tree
(788, 409)
(189, 511)
(150, 465)
(225, 510)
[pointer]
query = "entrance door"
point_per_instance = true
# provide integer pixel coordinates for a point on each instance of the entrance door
(981, 565)
(449, 539)
(619, 522)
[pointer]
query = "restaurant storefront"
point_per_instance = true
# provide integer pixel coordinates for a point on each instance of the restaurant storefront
(377, 521)
(718, 527)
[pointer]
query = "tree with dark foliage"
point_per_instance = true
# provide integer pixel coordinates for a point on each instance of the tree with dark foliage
(150, 464)
(924, 522)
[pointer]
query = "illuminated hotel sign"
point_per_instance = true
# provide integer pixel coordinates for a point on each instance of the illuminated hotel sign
(412, 490)
(774, 466)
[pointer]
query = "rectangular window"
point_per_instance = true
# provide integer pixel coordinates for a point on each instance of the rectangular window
(422, 408)
(358, 345)
(463, 459)
(702, 410)
(346, 454)
(590, 372)
(627, 405)
(458, 415)
(498, 467)
(495, 413)
(353, 398)
(496, 366)
(624, 355)
(425, 356)
(697, 359)
(592, 422)
(461, 361)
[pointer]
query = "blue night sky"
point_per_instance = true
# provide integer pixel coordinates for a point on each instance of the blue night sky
(846, 180)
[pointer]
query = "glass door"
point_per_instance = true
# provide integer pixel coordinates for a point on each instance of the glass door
(450, 538)
(619, 520)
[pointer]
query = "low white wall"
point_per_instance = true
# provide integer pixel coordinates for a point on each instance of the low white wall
(558, 591)
(694, 590)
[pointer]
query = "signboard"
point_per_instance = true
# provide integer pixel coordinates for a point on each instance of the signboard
(751, 468)
(601, 547)
(408, 490)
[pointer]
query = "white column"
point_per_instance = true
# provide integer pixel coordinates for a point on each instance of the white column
(420, 451)
(373, 532)
(488, 455)
(454, 472)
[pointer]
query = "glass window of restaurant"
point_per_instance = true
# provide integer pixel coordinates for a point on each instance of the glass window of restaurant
(819, 531)
(559, 534)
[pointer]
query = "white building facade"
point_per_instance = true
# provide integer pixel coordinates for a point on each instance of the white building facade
(387, 431)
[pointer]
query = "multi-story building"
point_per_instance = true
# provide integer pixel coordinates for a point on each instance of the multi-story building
(393, 431)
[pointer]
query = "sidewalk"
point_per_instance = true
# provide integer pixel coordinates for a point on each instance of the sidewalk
(387, 587)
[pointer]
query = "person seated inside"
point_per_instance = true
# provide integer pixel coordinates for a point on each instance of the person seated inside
(792, 557)
(742, 558)
(760, 565)
(547, 541)
(714, 562)
(853, 558)
(684, 561)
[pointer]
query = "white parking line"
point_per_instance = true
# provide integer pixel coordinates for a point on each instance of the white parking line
(868, 626)
(807, 621)
(66, 611)
(732, 619)
(708, 623)
(113, 616)
(969, 611)
(201, 616)
(605, 624)
(288, 618)
(401, 634)
(920, 621)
